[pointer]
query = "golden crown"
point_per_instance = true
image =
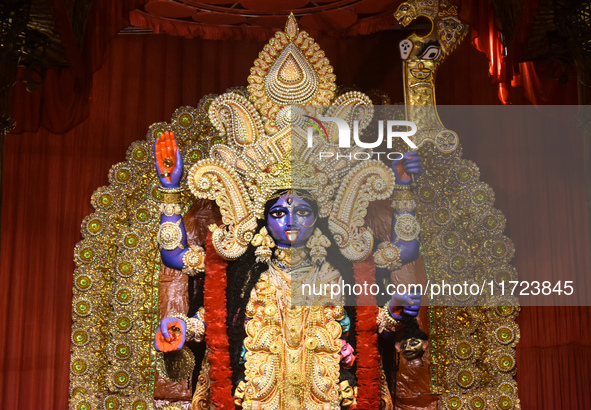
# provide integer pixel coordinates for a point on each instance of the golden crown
(267, 147)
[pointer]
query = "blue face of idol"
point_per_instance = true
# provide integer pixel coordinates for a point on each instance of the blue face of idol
(291, 221)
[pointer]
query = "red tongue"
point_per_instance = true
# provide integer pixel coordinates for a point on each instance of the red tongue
(292, 234)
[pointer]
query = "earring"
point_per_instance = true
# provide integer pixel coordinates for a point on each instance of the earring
(318, 244)
(264, 243)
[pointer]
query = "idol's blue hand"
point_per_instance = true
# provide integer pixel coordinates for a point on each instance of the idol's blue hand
(164, 323)
(410, 163)
(169, 162)
(408, 303)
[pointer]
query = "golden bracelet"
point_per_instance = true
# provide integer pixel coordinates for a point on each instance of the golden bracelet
(170, 209)
(407, 227)
(403, 201)
(386, 322)
(194, 260)
(170, 235)
(400, 195)
(387, 256)
(171, 195)
(197, 329)
(404, 205)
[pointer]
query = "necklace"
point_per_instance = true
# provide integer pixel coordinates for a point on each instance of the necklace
(292, 257)
(294, 323)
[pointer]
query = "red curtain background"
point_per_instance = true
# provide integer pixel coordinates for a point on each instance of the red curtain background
(49, 179)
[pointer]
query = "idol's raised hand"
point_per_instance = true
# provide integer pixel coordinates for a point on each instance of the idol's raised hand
(409, 164)
(169, 163)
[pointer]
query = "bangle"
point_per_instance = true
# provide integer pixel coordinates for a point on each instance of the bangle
(387, 322)
(407, 228)
(387, 256)
(171, 198)
(201, 314)
(400, 194)
(170, 235)
(194, 260)
(181, 316)
(165, 190)
(171, 195)
(403, 201)
(195, 327)
(170, 209)
(404, 205)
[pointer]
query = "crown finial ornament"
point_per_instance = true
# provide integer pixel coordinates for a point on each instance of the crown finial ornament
(267, 148)
(291, 27)
(291, 69)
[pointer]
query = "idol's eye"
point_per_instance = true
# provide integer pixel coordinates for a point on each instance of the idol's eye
(414, 343)
(303, 212)
(431, 53)
(278, 213)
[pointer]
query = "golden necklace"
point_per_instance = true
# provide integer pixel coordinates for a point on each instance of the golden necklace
(291, 257)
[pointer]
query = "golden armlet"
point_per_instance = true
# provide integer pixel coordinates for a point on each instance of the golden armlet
(194, 260)
(403, 200)
(171, 195)
(387, 256)
(407, 227)
(170, 235)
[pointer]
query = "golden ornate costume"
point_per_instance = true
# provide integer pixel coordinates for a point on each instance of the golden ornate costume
(292, 358)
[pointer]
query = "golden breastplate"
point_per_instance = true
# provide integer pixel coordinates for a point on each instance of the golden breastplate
(292, 359)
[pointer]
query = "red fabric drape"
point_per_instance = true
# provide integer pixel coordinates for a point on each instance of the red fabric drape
(175, 18)
(485, 34)
(216, 338)
(506, 67)
(62, 101)
(49, 178)
(368, 357)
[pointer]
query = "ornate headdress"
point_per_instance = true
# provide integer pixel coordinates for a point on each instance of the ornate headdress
(267, 148)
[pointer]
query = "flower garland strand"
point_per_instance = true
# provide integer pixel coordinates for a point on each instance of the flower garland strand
(216, 336)
(368, 356)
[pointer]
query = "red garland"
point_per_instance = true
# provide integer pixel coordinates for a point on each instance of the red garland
(368, 356)
(216, 336)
